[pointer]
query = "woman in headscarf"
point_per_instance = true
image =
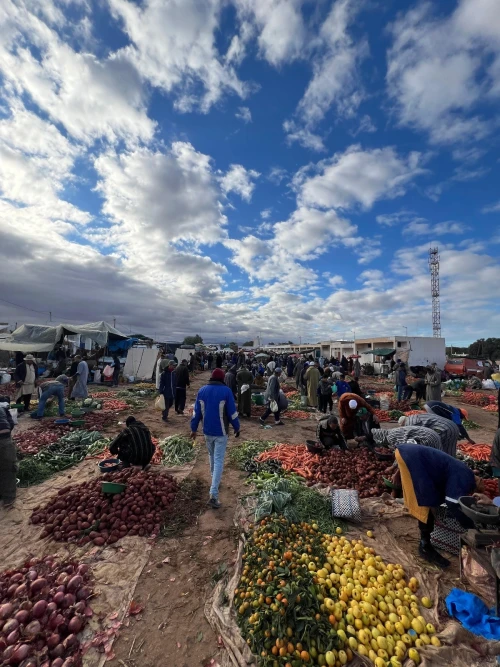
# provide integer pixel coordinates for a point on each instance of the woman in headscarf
(349, 404)
(456, 415)
(447, 431)
(428, 477)
(395, 436)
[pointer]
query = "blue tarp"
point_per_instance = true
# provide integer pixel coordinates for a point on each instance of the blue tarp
(121, 345)
(473, 614)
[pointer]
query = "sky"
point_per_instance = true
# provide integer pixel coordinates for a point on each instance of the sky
(237, 168)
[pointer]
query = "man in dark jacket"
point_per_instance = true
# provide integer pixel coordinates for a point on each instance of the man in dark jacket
(116, 369)
(210, 360)
(329, 434)
(230, 380)
(168, 387)
(8, 460)
(218, 360)
(215, 406)
(133, 445)
(183, 382)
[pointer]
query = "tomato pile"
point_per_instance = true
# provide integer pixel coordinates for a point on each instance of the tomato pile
(383, 415)
(83, 513)
(43, 607)
(311, 598)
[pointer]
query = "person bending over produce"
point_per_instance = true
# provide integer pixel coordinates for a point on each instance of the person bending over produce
(8, 460)
(448, 431)
(394, 436)
(364, 423)
(215, 406)
(133, 446)
(51, 389)
(329, 434)
(428, 477)
(348, 407)
(456, 415)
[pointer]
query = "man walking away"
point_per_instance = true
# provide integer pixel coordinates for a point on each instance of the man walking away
(210, 360)
(183, 382)
(244, 378)
(117, 364)
(25, 378)
(133, 445)
(218, 360)
(401, 384)
(215, 406)
(325, 394)
(356, 369)
(50, 389)
(168, 386)
(273, 394)
(8, 460)
(230, 380)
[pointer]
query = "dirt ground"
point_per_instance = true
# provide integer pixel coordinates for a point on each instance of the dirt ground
(182, 570)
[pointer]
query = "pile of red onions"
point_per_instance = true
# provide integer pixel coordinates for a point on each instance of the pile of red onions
(35, 439)
(357, 469)
(83, 513)
(43, 607)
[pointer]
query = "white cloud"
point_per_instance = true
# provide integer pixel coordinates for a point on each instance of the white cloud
(367, 253)
(279, 25)
(392, 219)
(277, 174)
(266, 213)
(491, 208)
(372, 278)
(357, 177)
(336, 280)
(157, 197)
(335, 80)
(365, 125)
(440, 229)
(438, 69)
(238, 179)
(174, 47)
(244, 114)
(89, 97)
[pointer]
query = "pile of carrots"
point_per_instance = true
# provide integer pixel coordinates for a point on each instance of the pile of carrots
(295, 458)
(477, 452)
(492, 407)
(383, 415)
(472, 398)
(297, 414)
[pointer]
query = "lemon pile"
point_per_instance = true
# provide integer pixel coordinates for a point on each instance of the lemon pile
(371, 606)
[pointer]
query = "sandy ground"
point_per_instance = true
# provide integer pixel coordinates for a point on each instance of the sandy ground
(182, 570)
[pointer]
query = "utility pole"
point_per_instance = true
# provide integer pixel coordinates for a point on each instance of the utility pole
(50, 316)
(114, 322)
(436, 308)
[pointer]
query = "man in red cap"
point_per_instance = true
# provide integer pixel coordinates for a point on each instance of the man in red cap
(215, 406)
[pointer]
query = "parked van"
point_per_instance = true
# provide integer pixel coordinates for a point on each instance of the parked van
(464, 368)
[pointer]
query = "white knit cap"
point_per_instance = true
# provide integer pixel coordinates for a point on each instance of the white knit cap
(353, 404)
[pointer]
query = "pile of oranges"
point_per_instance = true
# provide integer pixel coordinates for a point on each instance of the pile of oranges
(310, 598)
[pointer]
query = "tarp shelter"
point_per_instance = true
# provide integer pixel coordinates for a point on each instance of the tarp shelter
(381, 352)
(40, 338)
(140, 363)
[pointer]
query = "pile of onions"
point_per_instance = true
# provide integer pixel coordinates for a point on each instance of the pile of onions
(83, 513)
(357, 469)
(43, 607)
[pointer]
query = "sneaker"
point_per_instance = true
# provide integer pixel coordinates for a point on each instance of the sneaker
(262, 421)
(280, 423)
(427, 551)
(213, 503)
(164, 419)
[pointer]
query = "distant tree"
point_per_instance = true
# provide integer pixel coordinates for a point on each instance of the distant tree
(193, 340)
(249, 343)
(271, 343)
(489, 348)
(290, 342)
(453, 349)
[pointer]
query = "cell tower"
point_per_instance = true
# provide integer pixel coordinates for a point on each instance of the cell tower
(436, 308)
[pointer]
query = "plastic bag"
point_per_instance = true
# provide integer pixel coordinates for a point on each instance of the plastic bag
(160, 403)
(244, 388)
(108, 371)
(97, 376)
(13, 414)
(273, 406)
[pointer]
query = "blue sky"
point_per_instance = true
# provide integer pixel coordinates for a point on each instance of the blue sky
(244, 167)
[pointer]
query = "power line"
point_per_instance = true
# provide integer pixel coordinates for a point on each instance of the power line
(17, 305)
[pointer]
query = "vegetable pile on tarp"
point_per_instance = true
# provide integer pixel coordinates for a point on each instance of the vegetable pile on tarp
(288, 389)
(114, 405)
(478, 451)
(402, 406)
(469, 424)
(43, 609)
(307, 597)
(480, 468)
(33, 440)
(297, 414)
(83, 513)
(99, 420)
(383, 415)
(473, 398)
(103, 394)
(296, 502)
(64, 453)
(295, 458)
(492, 407)
(247, 450)
(395, 414)
(176, 450)
(357, 469)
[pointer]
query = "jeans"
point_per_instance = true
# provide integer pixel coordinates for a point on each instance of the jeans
(54, 390)
(401, 391)
(270, 412)
(180, 399)
(216, 445)
(168, 404)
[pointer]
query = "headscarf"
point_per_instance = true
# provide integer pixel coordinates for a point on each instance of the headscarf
(353, 404)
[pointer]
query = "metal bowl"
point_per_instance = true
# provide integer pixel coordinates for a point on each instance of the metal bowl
(485, 514)
(115, 464)
(314, 447)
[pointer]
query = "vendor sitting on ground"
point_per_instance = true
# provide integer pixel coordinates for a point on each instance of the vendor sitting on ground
(328, 433)
(456, 415)
(259, 380)
(428, 477)
(133, 446)
(51, 389)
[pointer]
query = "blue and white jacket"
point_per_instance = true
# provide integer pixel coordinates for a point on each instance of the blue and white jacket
(215, 406)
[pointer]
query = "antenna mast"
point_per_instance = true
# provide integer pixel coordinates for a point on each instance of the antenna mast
(436, 308)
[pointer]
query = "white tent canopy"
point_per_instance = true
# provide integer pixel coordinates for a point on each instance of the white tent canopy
(40, 338)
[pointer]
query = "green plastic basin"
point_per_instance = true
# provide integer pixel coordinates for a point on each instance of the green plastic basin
(113, 487)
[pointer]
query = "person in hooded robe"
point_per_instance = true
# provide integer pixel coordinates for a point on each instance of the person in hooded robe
(312, 378)
(348, 405)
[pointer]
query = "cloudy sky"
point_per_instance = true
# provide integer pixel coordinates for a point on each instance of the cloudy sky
(236, 167)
